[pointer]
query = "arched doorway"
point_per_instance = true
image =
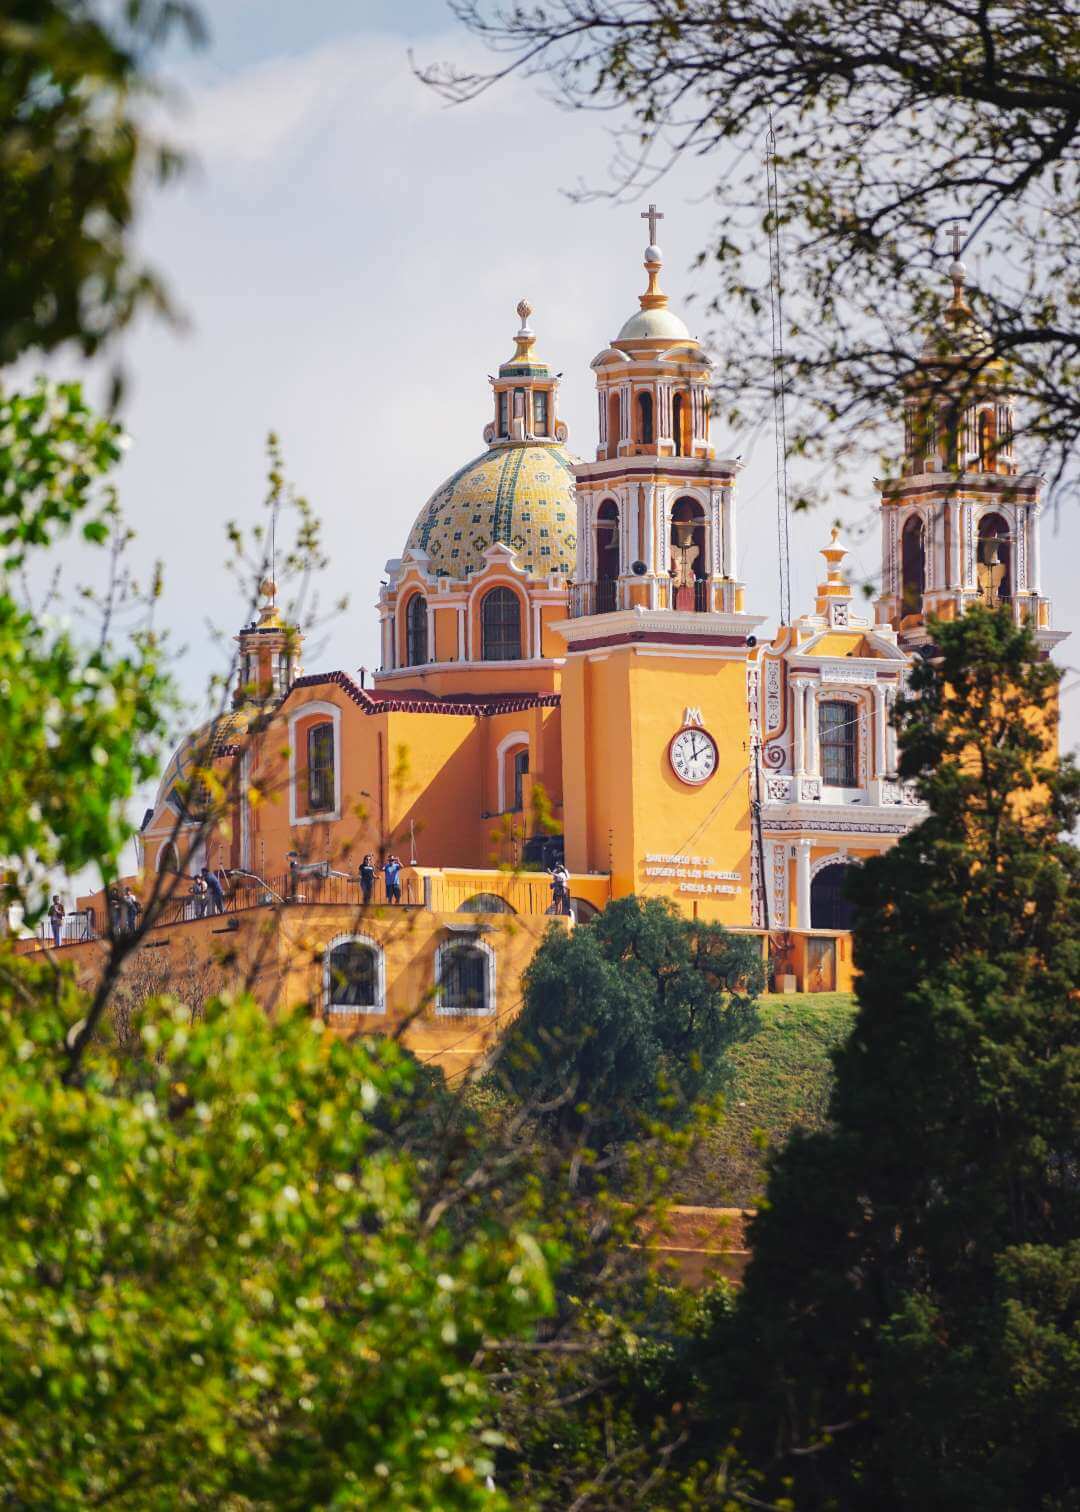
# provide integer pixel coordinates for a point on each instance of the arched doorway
(829, 904)
(607, 555)
(995, 561)
(912, 565)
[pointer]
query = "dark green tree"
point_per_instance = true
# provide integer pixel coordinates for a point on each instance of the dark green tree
(909, 1332)
(627, 1018)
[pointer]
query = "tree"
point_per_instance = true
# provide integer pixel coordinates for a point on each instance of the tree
(908, 1331)
(891, 120)
(75, 85)
(81, 723)
(627, 1019)
(219, 1285)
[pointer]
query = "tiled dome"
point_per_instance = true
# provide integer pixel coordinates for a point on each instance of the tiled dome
(179, 785)
(521, 495)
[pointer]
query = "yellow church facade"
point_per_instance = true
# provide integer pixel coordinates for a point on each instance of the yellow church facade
(570, 669)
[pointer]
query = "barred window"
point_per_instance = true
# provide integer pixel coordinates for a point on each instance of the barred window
(504, 414)
(540, 412)
(838, 725)
(500, 615)
(463, 980)
(352, 977)
(416, 638)
(320, 752)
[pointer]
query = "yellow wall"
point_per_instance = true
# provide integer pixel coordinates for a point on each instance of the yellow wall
(620, 711)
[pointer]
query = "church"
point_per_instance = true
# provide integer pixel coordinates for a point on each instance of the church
(570, 668)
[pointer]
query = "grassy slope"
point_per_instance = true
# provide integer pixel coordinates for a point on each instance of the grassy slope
(781, 1079)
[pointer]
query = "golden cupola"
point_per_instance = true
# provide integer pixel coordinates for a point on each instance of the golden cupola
(268, 653)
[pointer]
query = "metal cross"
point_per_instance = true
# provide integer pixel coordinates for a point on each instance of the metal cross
(652, 215)
(955, 234)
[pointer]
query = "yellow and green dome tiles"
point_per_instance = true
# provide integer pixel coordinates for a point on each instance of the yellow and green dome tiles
(522, 496)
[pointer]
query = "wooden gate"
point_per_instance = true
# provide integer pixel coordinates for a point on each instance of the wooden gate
(820, 964)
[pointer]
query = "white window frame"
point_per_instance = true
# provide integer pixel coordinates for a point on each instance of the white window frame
(502, 750)
(380, 975)
(472, 941)
(303, 711)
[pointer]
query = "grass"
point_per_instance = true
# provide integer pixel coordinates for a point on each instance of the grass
(781, 1080)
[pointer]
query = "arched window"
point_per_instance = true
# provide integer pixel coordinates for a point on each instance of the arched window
(838, 737)
(353, 976)
(500, 619)
(466, 978)
(486, 903)
(167, 858)
(830, 907)
(995, 560)
(645, 418)
(614, 428)
(320, 767)
(416, 646)
(607, 555)
(680, 424)
(912, 565)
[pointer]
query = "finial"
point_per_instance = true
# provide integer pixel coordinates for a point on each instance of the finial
(526, 336)
(268, 593)
(834, 554)
(958, 308)
(653, 298)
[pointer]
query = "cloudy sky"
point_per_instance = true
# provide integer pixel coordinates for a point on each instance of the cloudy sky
(349, 252)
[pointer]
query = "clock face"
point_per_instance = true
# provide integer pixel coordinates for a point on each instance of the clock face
(692, 754)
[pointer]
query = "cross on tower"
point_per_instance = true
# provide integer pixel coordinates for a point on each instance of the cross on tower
(652, 215)
(955, 234)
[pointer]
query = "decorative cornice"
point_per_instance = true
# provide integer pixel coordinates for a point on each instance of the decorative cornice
(657, 626)
(473, 705)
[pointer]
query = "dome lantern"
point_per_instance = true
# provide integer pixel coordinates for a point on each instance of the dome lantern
(526, 394)
(269, 652)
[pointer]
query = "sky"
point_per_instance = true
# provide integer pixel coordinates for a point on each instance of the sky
(348, 252)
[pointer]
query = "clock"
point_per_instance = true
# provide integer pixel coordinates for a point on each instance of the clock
(692, 754)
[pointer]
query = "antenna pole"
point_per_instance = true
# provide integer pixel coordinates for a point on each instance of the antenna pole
(776, 308)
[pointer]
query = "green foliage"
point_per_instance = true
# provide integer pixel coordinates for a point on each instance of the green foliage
(218, 1283)
(80, 725)
(909, 1315)
(778, 1081)
(74, 84)
(629, 1017)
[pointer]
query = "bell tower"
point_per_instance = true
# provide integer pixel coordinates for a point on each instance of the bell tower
(960, 525)
(655, 716)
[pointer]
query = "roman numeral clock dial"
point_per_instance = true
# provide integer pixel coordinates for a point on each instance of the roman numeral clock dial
(692, 755)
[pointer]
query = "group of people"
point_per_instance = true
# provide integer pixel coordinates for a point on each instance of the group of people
(391, 870)
(208, 892)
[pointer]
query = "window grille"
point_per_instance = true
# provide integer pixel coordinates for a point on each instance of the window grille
(464, 980)
(838, 725)
(320, 768)
(352, 976)
(416, 627)
(501, 624)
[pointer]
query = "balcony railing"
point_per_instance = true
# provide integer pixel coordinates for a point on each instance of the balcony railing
(602, 597)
